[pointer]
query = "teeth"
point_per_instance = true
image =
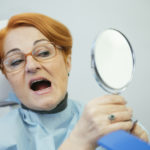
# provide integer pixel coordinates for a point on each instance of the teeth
(37, 81)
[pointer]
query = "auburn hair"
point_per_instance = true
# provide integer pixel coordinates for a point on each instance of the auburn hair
(55, 31)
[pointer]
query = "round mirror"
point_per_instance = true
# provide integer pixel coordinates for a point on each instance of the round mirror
(112, 61)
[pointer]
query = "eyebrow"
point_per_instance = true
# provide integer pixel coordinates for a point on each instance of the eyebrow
(37, 41)
(12, 50)
(17, 49)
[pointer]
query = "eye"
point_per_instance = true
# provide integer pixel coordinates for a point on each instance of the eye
(16, 62)
(43, 53)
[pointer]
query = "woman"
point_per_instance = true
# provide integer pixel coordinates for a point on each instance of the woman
(35, 57)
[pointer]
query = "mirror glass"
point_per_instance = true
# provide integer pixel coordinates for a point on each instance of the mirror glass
(112, 61)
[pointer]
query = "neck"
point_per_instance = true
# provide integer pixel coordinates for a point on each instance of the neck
(60, 107)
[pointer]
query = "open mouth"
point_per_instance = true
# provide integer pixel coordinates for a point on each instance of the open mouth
(40, 84)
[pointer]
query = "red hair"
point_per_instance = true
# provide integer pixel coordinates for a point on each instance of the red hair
(55, 31)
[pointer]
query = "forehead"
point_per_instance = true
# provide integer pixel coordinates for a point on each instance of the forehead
(22, 38)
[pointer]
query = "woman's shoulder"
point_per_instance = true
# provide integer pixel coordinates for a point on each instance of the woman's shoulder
(9, 127)
(9, 118)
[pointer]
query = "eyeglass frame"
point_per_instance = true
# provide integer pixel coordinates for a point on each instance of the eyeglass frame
(2, 66)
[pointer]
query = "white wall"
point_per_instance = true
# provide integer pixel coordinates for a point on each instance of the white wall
(85, 18)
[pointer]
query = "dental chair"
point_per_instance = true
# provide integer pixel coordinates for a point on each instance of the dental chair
(6, 99)
(5, 89)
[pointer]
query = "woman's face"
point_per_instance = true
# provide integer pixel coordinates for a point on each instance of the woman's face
(49, 79)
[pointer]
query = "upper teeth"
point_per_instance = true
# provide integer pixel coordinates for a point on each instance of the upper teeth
(36, 81)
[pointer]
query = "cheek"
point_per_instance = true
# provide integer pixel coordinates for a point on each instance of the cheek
(15, 81)
(58, 71)
(57, 67)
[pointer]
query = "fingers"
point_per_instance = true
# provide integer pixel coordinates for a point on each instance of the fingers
(139, 132)
(122, 116)
(102, 111)
(110, 99)
(95, 119)
(144, 137)
(108, 109)
(118, 126)
(119, 117)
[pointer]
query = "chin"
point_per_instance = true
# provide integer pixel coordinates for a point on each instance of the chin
(46, 103)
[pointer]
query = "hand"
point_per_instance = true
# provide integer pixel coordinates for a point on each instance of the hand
(94, 122)
(139, 132)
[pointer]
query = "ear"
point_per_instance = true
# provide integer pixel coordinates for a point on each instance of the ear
(68, 63)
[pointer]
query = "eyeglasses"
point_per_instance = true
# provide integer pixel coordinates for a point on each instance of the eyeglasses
(16, 60)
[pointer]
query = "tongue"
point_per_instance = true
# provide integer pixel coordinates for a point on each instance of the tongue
(41, 86)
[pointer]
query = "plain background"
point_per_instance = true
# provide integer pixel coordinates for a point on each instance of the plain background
(85, 18)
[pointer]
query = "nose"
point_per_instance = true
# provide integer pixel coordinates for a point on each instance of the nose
(32, 66)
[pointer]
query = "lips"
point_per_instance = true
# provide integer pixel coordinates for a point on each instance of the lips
(40, 85)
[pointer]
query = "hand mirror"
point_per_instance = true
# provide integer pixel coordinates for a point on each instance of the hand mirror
(112, 61)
